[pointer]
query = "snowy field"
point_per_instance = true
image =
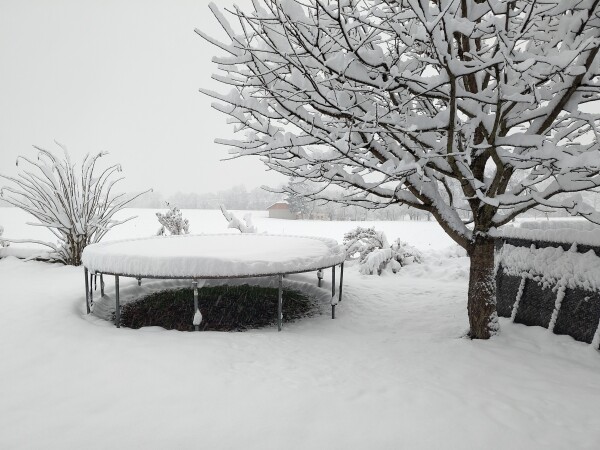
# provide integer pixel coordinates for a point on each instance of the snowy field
(391, 372)
(209, 221)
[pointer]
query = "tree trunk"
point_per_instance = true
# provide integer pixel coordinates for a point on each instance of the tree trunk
(481, 305)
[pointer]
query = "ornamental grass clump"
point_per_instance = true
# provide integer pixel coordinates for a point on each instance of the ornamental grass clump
(75, 203)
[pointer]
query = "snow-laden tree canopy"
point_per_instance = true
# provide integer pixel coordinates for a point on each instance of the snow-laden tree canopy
(440, 105)
(472, 110)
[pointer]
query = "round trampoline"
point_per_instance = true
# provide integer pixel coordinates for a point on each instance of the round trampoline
(198, 257)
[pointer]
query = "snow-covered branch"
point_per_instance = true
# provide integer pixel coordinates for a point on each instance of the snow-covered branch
(245, 227)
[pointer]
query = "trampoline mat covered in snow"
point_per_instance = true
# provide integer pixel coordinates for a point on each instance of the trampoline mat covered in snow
(212, 255)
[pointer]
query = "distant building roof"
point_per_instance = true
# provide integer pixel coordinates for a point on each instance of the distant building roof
(279, 205)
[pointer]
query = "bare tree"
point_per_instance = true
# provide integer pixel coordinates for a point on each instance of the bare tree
(442, 105)
(297, 193)
(76, 205)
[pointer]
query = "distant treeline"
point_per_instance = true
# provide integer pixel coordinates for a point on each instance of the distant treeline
(240, 198)
(237, 197)
(259, 199)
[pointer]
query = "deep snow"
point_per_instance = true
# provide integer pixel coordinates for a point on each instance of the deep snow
(391, 371)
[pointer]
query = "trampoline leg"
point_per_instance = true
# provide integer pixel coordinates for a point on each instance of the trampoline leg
(101, 285)
(87, 290)
(319, 277)
(91, 290)
(332, 291)
(332, 281)
(195, 286)
(117, 305)
(341, 281)
(280, 303)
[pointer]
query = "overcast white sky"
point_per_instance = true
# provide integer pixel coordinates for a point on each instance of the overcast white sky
(120, 76)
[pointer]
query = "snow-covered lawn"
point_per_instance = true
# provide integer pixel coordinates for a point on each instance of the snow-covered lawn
(425, 235)
(390, 372)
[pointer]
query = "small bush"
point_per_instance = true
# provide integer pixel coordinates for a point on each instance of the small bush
(172, 222)
(223, 308)
(374, 254)
(2, 243)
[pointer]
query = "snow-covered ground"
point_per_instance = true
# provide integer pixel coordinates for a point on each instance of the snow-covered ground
(425, 235)
(392, 370)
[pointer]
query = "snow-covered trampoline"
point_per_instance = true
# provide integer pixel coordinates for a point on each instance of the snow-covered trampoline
(210, 256)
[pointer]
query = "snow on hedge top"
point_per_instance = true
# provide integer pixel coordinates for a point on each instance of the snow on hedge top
(559, 224)
(560, 231)
(216, 255)
(552, 265)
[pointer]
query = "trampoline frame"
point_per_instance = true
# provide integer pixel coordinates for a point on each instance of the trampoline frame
(91, 283)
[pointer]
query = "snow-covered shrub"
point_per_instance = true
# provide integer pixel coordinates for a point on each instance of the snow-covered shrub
(406, 254)
(172, 222)
(2, 243)
(360, 241)
(234, 222)
(374, 253)
(76, 204)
